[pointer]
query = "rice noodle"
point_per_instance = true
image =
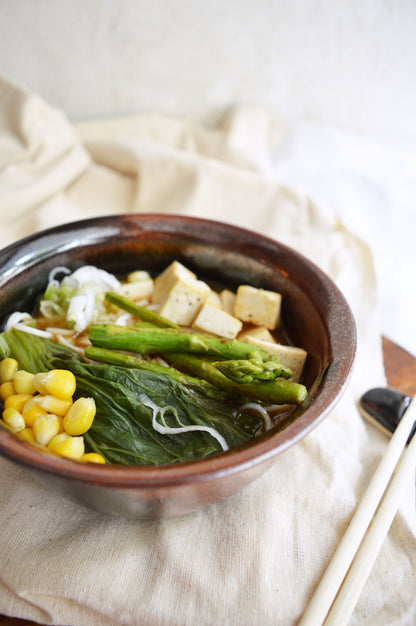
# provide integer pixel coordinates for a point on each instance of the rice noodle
(20, 321)
(64, 341)
(60, 269)
(254, 406)
(164, 429)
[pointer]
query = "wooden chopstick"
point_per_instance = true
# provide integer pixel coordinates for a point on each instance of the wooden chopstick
(341, 585)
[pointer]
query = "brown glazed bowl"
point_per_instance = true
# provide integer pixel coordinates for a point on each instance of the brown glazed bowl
(315, 313)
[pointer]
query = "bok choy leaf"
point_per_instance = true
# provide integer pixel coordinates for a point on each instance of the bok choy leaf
(144, 416)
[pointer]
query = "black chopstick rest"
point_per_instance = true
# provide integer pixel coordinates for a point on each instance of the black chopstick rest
(384, 407)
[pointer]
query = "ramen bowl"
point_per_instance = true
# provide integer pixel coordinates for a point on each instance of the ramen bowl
(315, 314)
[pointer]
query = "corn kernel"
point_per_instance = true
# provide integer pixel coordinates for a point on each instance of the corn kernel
(31, 410)
(7, 389)
(54, 405)
(45, 428)
(14, 419)
(23, 382)
(37, 381)
(27, 434)
(61, 424)
(67, 446)
(57, 440)
(59, 383)
(80, 416)
(17, 401)
(93, 457)
(8, 369)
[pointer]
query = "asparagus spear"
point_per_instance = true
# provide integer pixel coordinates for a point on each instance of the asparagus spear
(213, 381)
(113, 357)
(148, 340)
(141, 312)
(237, 374)
(248, 370)
(275, 391)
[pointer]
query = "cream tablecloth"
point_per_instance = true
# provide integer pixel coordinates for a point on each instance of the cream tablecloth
(256, 558)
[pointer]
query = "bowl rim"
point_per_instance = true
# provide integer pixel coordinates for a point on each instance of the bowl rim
(342, 346)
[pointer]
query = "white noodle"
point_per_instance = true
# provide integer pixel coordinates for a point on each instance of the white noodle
(253, 406)
(57, 270)
(167, 430)
(19, 320)
(91, 274)
(62, 340)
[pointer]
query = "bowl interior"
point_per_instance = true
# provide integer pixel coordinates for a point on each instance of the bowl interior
(315, 315)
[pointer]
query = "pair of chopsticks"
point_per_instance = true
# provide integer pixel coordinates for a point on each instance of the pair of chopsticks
(339, 590)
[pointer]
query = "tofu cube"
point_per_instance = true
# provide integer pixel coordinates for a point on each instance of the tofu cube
(227, 299)
(137, 290)
(213, 320)
(258, 306)
(214, 299)
(292, 357)
(183, 301)
(179, 294)
(165, 281)
(257, 332)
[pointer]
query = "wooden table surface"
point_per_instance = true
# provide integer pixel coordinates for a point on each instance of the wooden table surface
(401, 373)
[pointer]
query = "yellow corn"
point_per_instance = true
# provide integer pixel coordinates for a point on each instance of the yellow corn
(61, 423)
(54, 405)
(37, 381)
(8, 369)
(56, 441)
(7, 389)
(28, 435)
(17, 401)
(45, 428)
(59, 383)
(67, 446)
(93, 457)
(80, 416)
(23, 382)
(14, 419)
(31, 410)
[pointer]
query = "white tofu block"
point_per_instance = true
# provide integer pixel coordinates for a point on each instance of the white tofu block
(214, 299)
(228, 299)
(183, 301)
(292, 357)
(213, 320)
(258, 306)
(165, 281)
(257, 332)
(139, 290)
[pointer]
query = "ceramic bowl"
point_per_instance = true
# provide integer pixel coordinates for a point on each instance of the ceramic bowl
(315, 314)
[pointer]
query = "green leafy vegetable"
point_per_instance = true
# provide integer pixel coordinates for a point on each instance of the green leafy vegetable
(144, 416)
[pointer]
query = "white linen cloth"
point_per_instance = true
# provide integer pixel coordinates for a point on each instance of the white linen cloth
(256, 558)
